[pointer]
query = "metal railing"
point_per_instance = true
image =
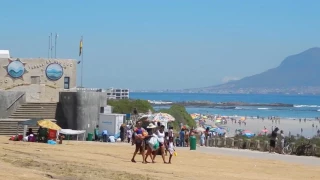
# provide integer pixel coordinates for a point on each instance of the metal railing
(15, 101)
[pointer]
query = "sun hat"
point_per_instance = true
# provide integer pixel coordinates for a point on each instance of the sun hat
(151, 126)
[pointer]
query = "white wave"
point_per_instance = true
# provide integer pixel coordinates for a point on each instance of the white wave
(306, 106)
(318, 110)
(159, 102)
(238, 108)
(263, 108)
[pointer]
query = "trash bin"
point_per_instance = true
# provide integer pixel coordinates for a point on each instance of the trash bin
(90, 136)
(193, 142)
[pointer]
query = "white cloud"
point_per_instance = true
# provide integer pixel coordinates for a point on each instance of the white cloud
(228, 79)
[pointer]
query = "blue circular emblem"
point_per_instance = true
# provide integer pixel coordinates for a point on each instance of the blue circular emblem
(15, 69)
(54, 71)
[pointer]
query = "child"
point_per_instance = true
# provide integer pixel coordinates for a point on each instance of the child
(166, 142)
(170, 148)
(170, 132)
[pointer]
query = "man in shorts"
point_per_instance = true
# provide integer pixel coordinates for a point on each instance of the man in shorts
(273, 140)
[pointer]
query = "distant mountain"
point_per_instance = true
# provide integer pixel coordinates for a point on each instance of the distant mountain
(298, 73)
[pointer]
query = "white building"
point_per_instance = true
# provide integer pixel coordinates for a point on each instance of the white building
(112, 93)
(116, 93)
(4, 54)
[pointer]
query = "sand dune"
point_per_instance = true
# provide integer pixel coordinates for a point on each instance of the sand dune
(91, 160)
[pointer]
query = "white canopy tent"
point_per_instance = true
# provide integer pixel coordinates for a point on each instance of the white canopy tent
(72, 132)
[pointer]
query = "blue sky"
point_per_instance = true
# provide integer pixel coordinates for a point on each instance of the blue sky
(168, 44)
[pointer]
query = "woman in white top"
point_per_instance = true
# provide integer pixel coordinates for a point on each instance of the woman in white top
(160, 134)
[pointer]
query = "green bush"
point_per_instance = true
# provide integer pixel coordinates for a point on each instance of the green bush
(126, 106)
(179, 112)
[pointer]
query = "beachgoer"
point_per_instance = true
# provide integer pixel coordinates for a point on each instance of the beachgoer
(96, 133)
(166, 142)
(282, 138)
(182, 134)
(171, 132)
(139, 142)
(122, 133)
(129, 135)
(273, 140)
(150, 152)
(105, 136)
(202, 139)
(29, 132)
(171, 148)
(161, 138)
(186, 137)
(206, 135)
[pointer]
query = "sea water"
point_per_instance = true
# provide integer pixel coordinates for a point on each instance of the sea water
(305, 106)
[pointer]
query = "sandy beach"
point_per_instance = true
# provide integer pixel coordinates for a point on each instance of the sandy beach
(92, 160)
(287, 125)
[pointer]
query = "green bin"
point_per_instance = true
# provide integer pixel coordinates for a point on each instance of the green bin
(90, 136)
(193, 142)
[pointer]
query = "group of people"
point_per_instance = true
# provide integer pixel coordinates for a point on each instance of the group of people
(277, 140)
(146, 141)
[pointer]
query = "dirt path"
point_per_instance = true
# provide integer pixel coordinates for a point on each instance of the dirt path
(90, 160)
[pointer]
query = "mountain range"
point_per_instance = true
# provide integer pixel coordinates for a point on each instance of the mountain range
(297, 74)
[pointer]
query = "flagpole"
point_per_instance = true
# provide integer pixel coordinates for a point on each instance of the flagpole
(82, 62)
(55, 46)
(49, 48)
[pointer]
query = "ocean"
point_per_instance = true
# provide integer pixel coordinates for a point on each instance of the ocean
(305, 106)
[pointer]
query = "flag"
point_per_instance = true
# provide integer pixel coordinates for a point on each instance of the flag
(80, 47)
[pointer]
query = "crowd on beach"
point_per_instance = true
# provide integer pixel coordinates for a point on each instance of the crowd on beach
(152, 141)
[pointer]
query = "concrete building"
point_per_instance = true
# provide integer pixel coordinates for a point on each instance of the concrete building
(41, 79)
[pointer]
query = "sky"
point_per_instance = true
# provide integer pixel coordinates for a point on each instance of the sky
(168, 44)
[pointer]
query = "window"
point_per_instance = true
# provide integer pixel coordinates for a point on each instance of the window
(66, 82)
(35, 79)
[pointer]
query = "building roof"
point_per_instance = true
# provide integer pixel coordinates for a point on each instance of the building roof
(4, 54)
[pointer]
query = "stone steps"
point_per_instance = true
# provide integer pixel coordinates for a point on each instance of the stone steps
(35, 110)
(8, 127)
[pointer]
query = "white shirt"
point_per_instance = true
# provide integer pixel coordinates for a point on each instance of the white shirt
(160, 136)
(170, 133)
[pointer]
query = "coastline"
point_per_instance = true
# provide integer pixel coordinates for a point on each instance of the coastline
(219, 104)
(287, 125)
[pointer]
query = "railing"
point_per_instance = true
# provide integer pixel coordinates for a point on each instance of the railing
(15, 101)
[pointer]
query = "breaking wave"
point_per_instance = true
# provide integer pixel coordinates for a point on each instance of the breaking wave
(306, 106)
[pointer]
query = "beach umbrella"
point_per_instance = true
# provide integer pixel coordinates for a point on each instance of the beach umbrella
(249, 135)
(157, 117)
(199, 129)
(46, 123)
(162, 117)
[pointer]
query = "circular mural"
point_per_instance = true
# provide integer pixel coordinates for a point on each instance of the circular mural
(54, 71)
(15, 69)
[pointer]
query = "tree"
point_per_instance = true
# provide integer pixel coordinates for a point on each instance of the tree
(126, 106)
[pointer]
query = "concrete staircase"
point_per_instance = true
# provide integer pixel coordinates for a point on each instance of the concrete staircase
(8, 127)
(35, 110)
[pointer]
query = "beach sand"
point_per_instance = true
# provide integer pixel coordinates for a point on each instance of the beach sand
(256, 125)
(93, 160)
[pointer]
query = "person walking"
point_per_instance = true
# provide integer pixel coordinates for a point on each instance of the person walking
(273, 140)
(181, 134)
